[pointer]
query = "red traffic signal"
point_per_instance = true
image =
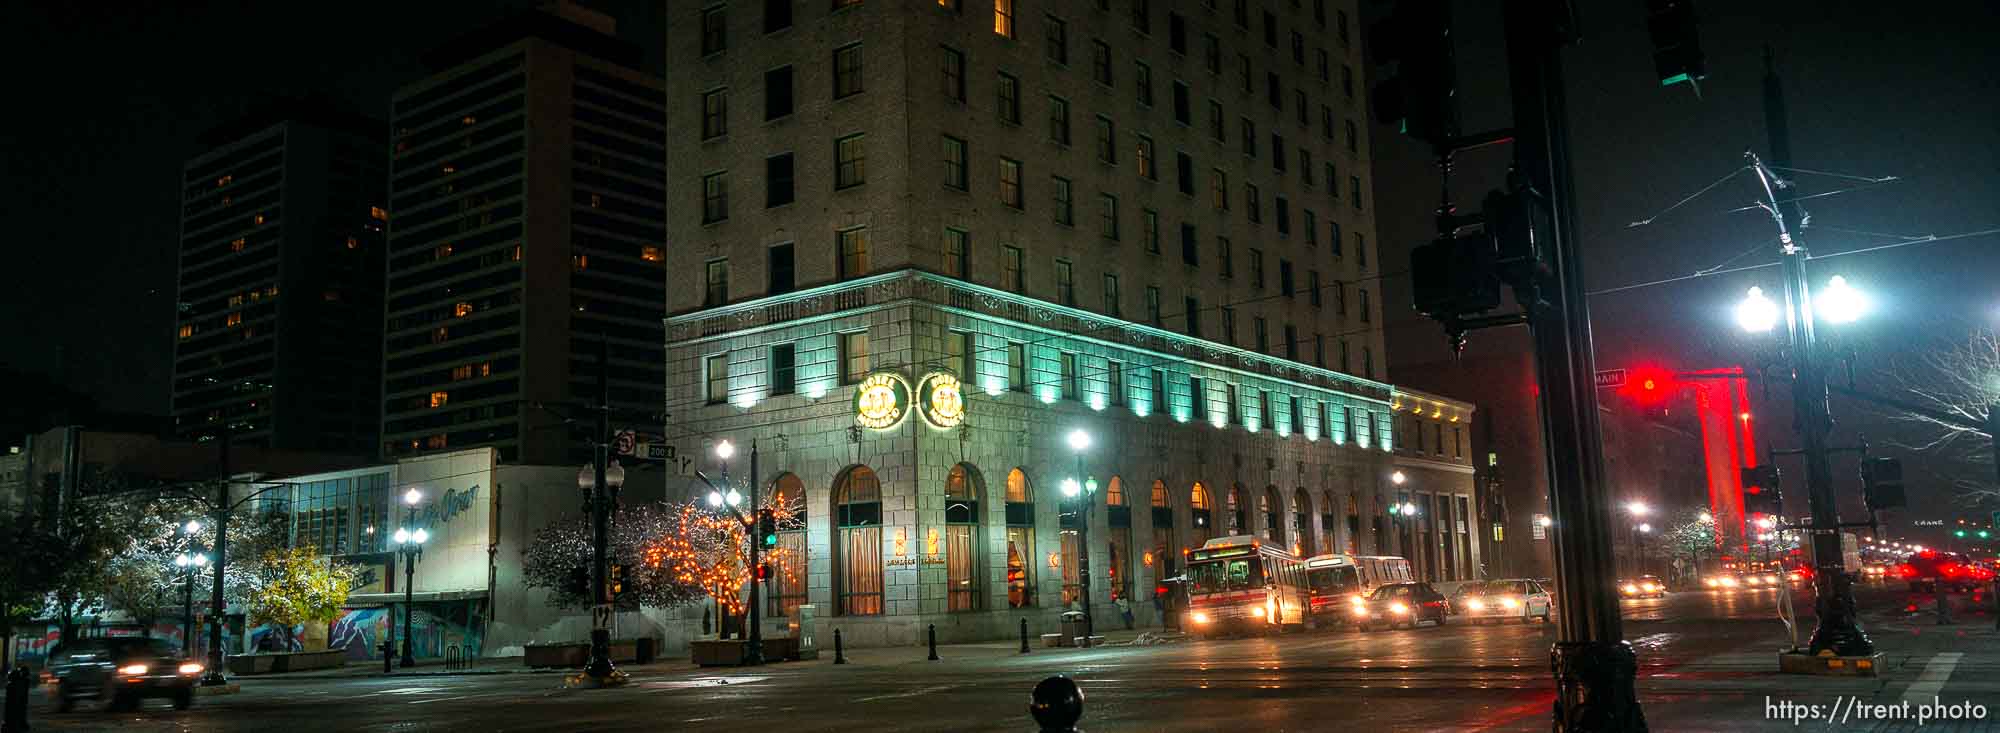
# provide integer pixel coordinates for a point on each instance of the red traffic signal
(763, 571)
(1650, 385)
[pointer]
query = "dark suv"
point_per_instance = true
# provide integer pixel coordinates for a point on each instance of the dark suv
(121, 671)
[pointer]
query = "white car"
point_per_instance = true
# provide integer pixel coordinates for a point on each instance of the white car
(1503, 599)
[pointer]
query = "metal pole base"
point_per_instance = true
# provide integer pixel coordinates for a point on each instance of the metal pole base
(1594, 687)
(213, 678)
(1838, 630)
(600, 654)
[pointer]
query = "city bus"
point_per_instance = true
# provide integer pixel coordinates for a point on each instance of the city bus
(1333, 581)
(1242, 583)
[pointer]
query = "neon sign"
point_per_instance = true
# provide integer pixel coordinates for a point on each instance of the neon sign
(941, 400)
(881, 400)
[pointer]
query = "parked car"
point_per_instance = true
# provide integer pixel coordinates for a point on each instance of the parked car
(122, 671)
(1396, 604)
(1502, 600)
(1927, 570)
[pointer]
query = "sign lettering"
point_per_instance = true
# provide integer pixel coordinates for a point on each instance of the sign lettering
(881, 401)
(941, 400)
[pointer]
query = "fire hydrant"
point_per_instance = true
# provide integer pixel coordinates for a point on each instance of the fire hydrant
(18, 682)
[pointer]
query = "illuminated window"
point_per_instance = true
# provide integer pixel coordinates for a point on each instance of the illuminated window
(652, 254)
(1003, 17)
(461, 310)
(468, 120)
(330, 296)
(258, 219)
(517, 253)
(235, 300)
(271, 291)
(434, 442)
(353, 243)
(376, 212)
(233, 319)
(596, 201)
(236, 245)
(187, 329)
(441, 251)
(485, 368)
(440, 335)
(439, 398)
(579, 263)
(461, 372)
(224, 181)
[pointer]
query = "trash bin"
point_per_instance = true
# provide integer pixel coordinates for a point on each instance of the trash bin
(645, 650)
(1072, 627)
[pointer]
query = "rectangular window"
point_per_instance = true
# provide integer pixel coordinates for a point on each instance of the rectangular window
(1017, 367)
(1326, 128)
(1010, 182)
(1324, 64)
(714, 30)
(1253, 203)
(853, 356)
(1107, 140)
(1344, 361)
(1114, 382)
(716, 373)
(1142, 16)
(1243, 62)
(1319, 350)
(1009, 92)
(1347, 81)
(1312, 288)
(1265, 418)
(1183, 109)
(784, 370)
(850, 161)
(1100, 62)
(1273, 92)
(958, 352)
(853, 252)
(1159, 386)
(1339, 297)
(1333, 236)
(1142, 79)
(1257, 268)
(1353, 138)
(1147, 170)
(1059, 120)
(1055, 34)
(955, 164)
(1282, 207)
(1107, 217)
(1189, 256)
(957, 254)
(847, 71)
(1112, 307)
(777, 15)
(1218, 189)
(1291, 342)
(1066, 366)
(1218, 126)
(1184, 167)
(1198, 398)
(1225, 256)
(1360, 250)
(1285, 278)
(778, 180)
(1367, 362)
(1013, 275)
(1298, 419)
(1003, 18)
(1298, 48)
(1177, 33)
(1149, 230)
(1228, 316)
(1249, 137)
(1191, 311)
(717, 292)
(1278, 152)
(1363, 302)
(1212, 53)
(1310, 224)
(953, 66)
(714, 114)
(1354, 191)
(1231, 405)
(1260, 333)
(779, 270)
(714, 197)
(1065, 283)
(777, 93)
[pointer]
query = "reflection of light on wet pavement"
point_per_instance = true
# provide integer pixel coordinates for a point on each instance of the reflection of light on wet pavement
(1653, 641)
(703, 682)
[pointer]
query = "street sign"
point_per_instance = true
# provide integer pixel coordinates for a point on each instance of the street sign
(600, 616)
(1610, 379)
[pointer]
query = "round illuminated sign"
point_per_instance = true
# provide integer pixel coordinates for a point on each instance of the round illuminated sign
(941, 400)
(881, 400)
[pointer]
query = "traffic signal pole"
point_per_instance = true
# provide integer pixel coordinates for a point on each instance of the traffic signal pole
(753, 533)
(1594, 666)
(599, 668)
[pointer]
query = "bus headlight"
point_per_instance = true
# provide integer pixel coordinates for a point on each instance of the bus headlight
(1200, 618)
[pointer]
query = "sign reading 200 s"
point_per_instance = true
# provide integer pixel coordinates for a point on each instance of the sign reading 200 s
(884, 398)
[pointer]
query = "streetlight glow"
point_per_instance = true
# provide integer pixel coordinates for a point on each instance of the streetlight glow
(412, 497)
(1398, 478)
(734, 497)
(1638, 508)
(715, 498)
(192, 526)
(402, 535)
(420, 536)
(724, 450)
(1757, 314)
(1078, 440)
(1841, 303)
(1645, 527)
(1546, 521)
(1706, 518)
(1409, 510)
(1070, 487)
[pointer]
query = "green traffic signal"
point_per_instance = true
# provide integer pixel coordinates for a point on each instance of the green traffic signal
(1959, 533)
(1982, 534)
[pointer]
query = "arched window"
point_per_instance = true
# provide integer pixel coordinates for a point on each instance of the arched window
(788, 583)
(1301, 522)
(1273, 509)
(1327, 528)
(1020, 540)
(1204, 514)
(1354, 526)
(1239, 510)
(857, 546)
(1118, 557)
(966, 586)
(1166, 551)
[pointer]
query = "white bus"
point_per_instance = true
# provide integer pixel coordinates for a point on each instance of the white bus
(1242, 583)
(1334, 581)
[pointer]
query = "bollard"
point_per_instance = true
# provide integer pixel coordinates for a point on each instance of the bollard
(1943, 605)
(388, 655)
(838, 657)
(1056, 704)
(18, 681)
(1024, 635)
(932, 631)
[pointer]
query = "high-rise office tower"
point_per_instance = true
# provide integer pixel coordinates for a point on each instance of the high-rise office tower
(279, 325)
(525, 186)
(924, 242)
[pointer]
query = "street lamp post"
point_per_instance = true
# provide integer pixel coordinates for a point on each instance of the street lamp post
(600, 482)
(410, 541)
(1082, 488)
(723, 450)
(1637, 509)
(190, 563)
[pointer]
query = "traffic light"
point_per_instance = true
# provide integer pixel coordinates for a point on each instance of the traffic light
(763, 571)
(1882, 483)
(1515, 221)
(1760, 491)
(1651, 386)
(614, 580)
(1420, 95)
(1959, 533)
(1454, 276)
(767, 528)
(1677, 53)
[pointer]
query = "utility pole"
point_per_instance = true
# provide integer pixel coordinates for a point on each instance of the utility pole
(1839, 630)
(213, 677)
(754, 534)
(599, 667)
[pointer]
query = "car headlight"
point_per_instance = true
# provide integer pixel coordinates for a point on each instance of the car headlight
(1200, 618)
(1728, 582)
(1770, 580)
(1475, 604)
(1258, 612)
(1398, 607)
(1710, 582)
(1358, 600)
(1360, 610)
(132, 669)
(1630, 588)
(1650, 587)
(190, 669)
(1510, 603)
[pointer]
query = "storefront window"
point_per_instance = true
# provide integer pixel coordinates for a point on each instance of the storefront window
(961, 516)
(788, 582)
(857, 500)
(1020, 541)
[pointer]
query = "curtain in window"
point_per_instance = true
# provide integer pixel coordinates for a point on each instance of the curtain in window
(1072, 589)
(788, 584)
(1020, 567)
(861, 574)
(960, 568)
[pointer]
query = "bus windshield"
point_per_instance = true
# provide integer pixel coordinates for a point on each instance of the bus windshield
(1226, 575)
(1334, 581)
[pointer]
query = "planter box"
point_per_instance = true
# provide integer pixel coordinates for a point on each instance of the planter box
(576, 654)
(253, 664)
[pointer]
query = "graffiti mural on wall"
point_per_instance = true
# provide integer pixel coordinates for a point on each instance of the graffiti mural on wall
(33, 648)
(360, 631)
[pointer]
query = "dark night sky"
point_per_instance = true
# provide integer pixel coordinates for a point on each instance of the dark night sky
(114, 99)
